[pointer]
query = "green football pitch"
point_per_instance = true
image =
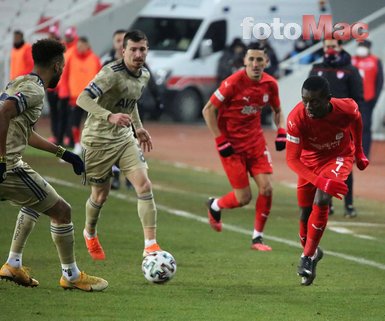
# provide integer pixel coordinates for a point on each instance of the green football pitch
(219, 277)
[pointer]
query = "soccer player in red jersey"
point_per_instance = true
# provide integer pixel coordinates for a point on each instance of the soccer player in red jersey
(324, 135)
(233, 115)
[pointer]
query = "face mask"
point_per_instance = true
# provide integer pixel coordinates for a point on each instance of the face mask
(362, 51)
(331, 55)
(331, 52)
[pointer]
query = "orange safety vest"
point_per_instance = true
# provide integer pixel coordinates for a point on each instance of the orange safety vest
(21, 61)
(81, 70)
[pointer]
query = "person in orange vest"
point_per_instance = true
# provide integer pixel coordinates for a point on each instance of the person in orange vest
(82, 64)
(370, 68)
(21, 56)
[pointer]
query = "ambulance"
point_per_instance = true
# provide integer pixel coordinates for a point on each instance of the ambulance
(187, 37)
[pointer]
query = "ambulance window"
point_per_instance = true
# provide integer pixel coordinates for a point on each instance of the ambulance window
(217, 33)
(168, 33)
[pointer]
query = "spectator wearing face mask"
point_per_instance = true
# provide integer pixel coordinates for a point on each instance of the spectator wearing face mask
(370, 68)
(345, 82)
(21, 56)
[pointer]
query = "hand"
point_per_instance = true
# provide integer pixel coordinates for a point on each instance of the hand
(362, 160)
(120, 119)
(3, 171)
(224, 147)
(331, 186)
(280, 141)
(75, 160)
(144, 139)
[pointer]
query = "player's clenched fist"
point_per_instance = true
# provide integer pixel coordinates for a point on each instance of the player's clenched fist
(362, 160)
(224, 147)
(280, 141)
(331, 187)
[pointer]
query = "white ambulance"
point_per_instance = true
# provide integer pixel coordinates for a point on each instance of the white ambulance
(187, 38)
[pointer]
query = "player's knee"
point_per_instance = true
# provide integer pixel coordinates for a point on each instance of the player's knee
(266, 190)
(62, 213)
(100, 199)
(244, 199)
(143, 187)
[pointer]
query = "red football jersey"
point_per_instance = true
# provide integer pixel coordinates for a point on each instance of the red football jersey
(324, 138)
(240, 101)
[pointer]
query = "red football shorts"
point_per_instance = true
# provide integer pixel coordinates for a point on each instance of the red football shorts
(239, 166)
(336, 168)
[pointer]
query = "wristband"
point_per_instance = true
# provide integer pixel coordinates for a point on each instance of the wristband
(60, 151)
(281, 131)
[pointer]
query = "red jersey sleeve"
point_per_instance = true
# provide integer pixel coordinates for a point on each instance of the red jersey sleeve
(294, 141)
(222, 94)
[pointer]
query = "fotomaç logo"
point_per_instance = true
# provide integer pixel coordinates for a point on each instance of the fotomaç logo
(323, 30)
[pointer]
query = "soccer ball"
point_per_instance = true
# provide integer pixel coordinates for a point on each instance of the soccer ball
(159, 267)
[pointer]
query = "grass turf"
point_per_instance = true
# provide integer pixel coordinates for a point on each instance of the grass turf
(218, 277)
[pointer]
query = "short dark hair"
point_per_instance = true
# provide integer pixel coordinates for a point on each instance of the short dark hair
(256, 46)
(317, 83)
(47, 51)
(135, 36)
(119, 31)
(18, 32)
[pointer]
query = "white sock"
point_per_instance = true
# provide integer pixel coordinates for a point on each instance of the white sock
(256, 234)
(70, 271)
(15, 259)
(215, 206)
(148, 243)
(88, 235)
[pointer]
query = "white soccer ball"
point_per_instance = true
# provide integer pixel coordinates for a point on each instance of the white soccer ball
(159, 267)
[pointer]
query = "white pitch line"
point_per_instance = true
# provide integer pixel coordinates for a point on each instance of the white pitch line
(229, 227)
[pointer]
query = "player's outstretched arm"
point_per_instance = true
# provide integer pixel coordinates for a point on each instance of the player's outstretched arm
(39, 142)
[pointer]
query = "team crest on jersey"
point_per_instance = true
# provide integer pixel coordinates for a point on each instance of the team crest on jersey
(340, 74)
(265, 98)
(339, 136)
